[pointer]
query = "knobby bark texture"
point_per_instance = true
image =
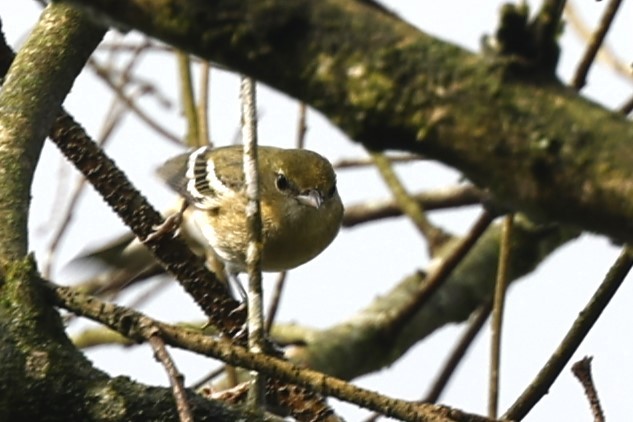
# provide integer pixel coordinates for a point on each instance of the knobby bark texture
(539, 146)
(44, 377)
(34, 94)
(340, 350)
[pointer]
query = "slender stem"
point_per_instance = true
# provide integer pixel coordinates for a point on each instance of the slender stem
(574, 21)
(302, 127)
(576, 334)
(204, 120)
(254, 225)
(187, 97)
(275, 300)
(127, 321)
(447, 197)
(175, 377)
(116, 114)
(580, 77)
(435, 279)
(477, 321)
(413, 209)
(102, 72)
(208, 377)
(582, 371)
(361, 162)
(497, 315)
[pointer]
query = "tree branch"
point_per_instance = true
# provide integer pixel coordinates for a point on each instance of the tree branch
(538, 146)
(24, 122)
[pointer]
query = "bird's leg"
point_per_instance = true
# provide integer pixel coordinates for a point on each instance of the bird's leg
(171, 225)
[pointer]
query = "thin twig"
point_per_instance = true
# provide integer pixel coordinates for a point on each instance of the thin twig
(582, 371)
(302, 127)
(103, 73)
(434, 236)
(438, 275)
(254, 225)
(187, 98)
(209, 377)
(448, 197)
(353, 163)
(579, 329)
(175, 377)
(115, 114)
(497, 315)
(475, 325)
(275, 300)
(129, 46)
(204, 119)
(606, 53)
(580, 77)
(127, 321)
(207, 291)
(280, 283)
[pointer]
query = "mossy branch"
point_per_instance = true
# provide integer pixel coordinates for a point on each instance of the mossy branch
(540, 147)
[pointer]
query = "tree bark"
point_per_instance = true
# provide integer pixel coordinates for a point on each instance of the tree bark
(540, 147)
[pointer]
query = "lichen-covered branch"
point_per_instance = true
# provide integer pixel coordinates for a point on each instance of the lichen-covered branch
(47, 78)
(339, 349)
(539, 147)
(44, 377)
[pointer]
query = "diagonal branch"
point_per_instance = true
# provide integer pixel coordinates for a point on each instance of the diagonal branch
(131, 323)
(539, 146)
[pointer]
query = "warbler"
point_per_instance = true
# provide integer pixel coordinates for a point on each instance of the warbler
(301, 209)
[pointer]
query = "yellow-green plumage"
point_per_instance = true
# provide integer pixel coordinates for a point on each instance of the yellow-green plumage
(300, 206)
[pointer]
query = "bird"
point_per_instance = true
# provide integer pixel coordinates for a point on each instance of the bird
(301, 209)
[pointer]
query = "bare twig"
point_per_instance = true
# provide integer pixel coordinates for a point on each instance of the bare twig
(115, 114)
(580, 77)
(209, 377)
(606, 53)
(275, 300)
(440, 273)
(579, 329)
(449, 197)
(254, 225)
(497, 315)
(582, 371)
(204, 120)
(187, 98)
(475, 325)
(302, 127)
(103, 73)
(175, 377)
(129, 323)
(131, 46)
(434, 236)
(281, 279)
(477, 320)
(353, 163)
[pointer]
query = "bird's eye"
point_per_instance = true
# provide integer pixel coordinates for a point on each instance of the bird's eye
(282, 183)
(332, 191)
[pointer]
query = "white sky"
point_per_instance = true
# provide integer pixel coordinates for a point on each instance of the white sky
(539, 310)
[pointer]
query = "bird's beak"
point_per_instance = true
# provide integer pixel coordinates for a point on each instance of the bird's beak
(312, 198)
